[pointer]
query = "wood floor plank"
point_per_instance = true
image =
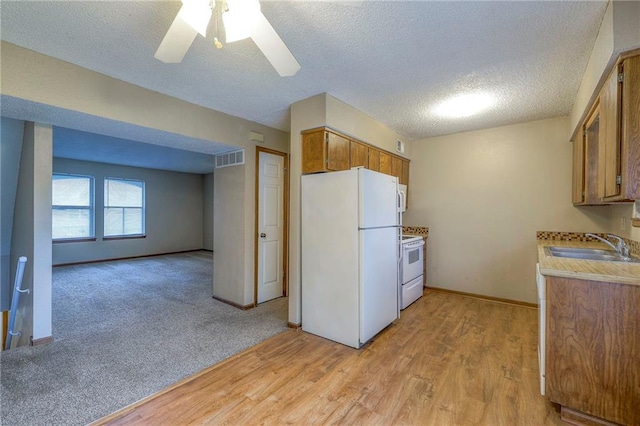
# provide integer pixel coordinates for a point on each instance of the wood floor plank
(449, 360)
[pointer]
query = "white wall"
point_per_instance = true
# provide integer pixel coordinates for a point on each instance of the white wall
(618, 212)
(347, 119)
(234, 217)
(39, 79)
(32, 233)
(317, 111)
(484, 194)
(10, 152)
(228, 245)
(207, 219)
(173, 219)
(619, 31)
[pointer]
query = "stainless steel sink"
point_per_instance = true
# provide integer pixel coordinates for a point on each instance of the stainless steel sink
(588, 254)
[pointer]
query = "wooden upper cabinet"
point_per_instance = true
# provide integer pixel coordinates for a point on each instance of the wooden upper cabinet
(374, 159)
(578, 169)
(337, 152)
(606, 165)
(324, 151)
(313, 152)
(404, 178)
(622, 155)
(359, 155)
(591, 136)
(396, 167)
(385, 163)
(609, 174)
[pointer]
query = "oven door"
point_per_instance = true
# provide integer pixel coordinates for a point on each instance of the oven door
(412, 260)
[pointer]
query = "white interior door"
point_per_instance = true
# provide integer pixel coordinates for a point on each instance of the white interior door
(270, 226)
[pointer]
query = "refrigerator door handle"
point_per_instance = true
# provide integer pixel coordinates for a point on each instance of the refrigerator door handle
(379, 227)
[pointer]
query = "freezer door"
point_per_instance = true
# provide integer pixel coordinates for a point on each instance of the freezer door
(378, 280)
(378, 199)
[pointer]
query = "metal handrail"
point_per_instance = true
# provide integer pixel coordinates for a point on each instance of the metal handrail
(14, 301)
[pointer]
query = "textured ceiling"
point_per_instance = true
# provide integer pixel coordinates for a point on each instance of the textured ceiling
(393, 60)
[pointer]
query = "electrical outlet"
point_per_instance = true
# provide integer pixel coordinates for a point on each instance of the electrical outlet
(623, 223)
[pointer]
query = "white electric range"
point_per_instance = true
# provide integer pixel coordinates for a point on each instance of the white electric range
(411, 270)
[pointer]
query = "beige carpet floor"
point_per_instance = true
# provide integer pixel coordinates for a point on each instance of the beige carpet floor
(124, 330)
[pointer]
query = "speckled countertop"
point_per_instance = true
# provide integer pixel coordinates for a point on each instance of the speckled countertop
(422, 231)
(616, 272)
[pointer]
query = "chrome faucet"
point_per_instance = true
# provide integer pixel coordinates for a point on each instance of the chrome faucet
(621, 247)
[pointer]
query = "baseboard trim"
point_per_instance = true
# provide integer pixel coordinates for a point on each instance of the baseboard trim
(5, 327)
(483, 297)
(294, 325)
(86, 262)
(41, 341)
(234, 304)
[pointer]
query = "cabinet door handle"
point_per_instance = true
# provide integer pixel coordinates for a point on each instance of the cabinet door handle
(263, 235)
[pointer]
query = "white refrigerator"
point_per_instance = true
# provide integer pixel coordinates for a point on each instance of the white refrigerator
(350, 254)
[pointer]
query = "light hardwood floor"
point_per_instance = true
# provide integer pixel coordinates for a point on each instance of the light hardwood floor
(450, 360)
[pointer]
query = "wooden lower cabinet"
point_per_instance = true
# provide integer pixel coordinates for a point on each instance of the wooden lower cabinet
(593, 349)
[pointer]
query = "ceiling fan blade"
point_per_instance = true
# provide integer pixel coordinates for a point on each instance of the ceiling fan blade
(273, 47)
(176, 42)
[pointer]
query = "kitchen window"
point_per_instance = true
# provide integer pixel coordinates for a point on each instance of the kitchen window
(72, 207)
(124, 208)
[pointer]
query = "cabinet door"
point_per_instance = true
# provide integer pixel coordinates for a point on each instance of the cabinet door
(609, 175)
(359, 155)
(578, 168)
(404, 179)
(337, 152)
(385, 163)
(313, 152)
(396, 167)
(630, 134)
(592, 342)
(591, 145)
(374, 159)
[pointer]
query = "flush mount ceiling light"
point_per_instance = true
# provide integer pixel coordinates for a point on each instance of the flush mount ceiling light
(464, 105)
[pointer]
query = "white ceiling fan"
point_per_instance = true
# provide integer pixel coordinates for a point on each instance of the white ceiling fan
(241, 18)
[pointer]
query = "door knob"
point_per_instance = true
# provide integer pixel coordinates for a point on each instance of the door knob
(263, 235)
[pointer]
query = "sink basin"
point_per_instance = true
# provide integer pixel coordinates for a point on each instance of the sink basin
(588, 254)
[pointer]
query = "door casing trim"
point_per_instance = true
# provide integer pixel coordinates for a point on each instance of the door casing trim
(285, 231)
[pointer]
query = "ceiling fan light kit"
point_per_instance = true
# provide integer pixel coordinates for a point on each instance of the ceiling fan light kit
(197, 14)
(241, 19)
(238, 18)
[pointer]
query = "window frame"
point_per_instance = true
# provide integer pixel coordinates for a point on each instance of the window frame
(91, 208)
(143, 209)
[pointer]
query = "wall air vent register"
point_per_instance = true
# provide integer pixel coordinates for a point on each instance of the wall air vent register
(233, 158)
